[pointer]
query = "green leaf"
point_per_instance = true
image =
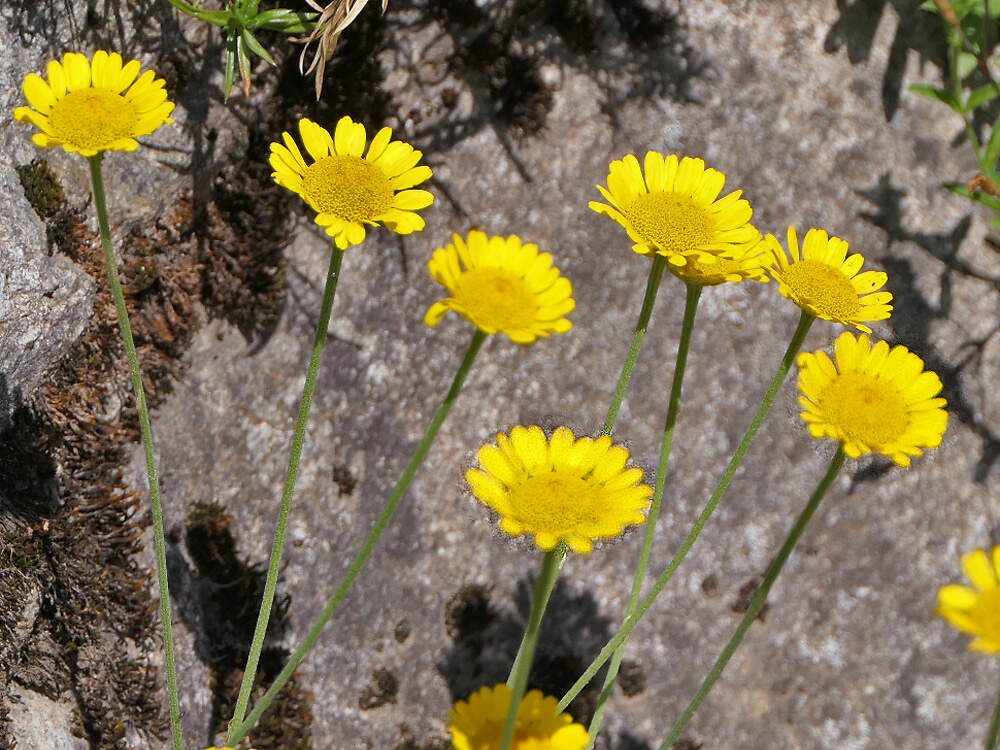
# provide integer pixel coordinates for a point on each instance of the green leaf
(251, 43)
(932, 92)
(230, 64)
(965, 63)
(285, 20)
(960, 188)
(992, 152)
(243, 59)
(982, 95)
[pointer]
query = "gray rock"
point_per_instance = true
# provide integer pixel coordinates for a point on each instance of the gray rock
(44, 299)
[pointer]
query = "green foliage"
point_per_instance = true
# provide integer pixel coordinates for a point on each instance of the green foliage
(240, 19)
(972, 87)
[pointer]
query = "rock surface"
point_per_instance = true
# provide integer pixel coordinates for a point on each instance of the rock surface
(806, 113)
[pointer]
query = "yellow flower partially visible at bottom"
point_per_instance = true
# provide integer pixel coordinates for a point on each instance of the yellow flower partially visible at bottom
(89, 106)
(975, 610)
(501, 285)
(560, 489)
(349, 188)
(875, 399)
(477, 724)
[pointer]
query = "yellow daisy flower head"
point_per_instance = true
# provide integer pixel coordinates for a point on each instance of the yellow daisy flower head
(672, 208)
(824, 281)
(976, 610)
(349, 188)
(477, 724)
(743, 263)
(89, 106)
(559, 488)
(875, 399)
(501, 285)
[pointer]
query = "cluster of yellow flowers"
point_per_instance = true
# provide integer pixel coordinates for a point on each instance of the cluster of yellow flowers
(559, 488)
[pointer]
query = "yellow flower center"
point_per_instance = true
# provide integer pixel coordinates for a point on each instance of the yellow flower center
(349, 187)
(555, 503)
(865, 409)
(673, 223)
(92, 118)
(986, 613)
(496, 298)
(823, 289)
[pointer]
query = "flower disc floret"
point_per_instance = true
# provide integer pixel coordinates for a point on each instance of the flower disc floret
(349, 188)
(477, 724)
(825, 281)
(559, 488)
(672, 208)
(976, 610)
(501, 285)
(89, 106)
(875, 399)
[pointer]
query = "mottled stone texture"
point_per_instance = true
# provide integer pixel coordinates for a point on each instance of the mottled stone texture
(806, 110)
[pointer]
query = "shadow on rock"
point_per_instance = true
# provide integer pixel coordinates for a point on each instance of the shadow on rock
(218, 595)
(485, 640)
(916, 30)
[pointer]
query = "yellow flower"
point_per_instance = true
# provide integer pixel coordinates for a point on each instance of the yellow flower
(824, 281)
(745, 263)
(348, 190)
(88, 106)
(874, 399)
(976, 610)
(559, 488)
(674, 210)
(477, 724)
(501, 286)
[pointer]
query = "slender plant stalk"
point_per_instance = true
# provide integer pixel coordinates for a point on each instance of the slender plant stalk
(518, 680)
(805, 322)
(146, 432)
(649, 298)
(673, 409)
(994, 731)
(237, 732)
(291, 475)
(758, 599)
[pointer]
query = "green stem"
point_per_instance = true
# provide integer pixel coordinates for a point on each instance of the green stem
(291, 475)
(758, 599)
(805, 321)
(518, 680)
(673, 409)
(652, 285)
(994, 731)
(235, 735)
(146, 432)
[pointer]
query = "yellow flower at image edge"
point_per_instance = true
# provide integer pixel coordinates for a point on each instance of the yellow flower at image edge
(477, 724)
(824, 281)
(349, 188)
(875, 399)
(501, 285)
(559, 488)
(673, 209)
(976, 610)
(89, 106)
